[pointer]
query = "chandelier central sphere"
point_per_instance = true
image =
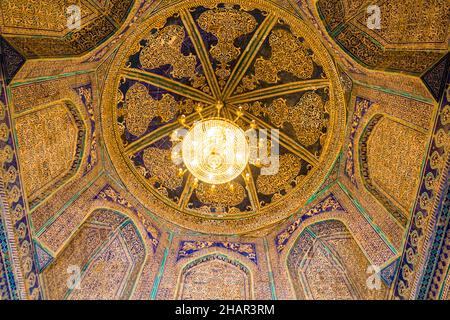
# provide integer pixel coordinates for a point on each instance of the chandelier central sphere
(215, 151)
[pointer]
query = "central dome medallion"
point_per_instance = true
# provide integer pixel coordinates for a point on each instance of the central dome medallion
(269, 72)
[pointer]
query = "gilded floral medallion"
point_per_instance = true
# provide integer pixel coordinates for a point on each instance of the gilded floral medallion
(266, 67)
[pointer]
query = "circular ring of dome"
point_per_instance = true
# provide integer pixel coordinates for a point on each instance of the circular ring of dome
(136, 145)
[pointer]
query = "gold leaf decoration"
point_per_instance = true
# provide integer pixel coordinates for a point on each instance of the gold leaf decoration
(221, 195)
(159, 163)
(290, 166)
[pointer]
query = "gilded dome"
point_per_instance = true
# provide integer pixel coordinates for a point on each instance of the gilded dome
(252, 57)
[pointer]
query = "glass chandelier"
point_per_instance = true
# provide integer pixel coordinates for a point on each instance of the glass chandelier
(214, 150)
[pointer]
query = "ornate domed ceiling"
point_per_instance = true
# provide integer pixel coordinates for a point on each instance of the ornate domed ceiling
(39, 29)
(89, 190)
(252, 57)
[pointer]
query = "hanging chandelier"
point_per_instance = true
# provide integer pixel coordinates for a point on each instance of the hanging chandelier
(215, 150)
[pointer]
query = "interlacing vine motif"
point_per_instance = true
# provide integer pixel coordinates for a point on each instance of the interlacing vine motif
(307, 117)
(288, 54)
(141, 108)
(227, 25)
(165, 48)
(290, 166)
(221, 195)
(161, 168)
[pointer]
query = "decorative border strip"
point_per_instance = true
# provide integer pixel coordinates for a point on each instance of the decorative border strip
(188, 248)
(21, 249)
(361, 107)
(427, 211)
(330, 203)
(86, 95)
(7, 281)
(434, 272)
